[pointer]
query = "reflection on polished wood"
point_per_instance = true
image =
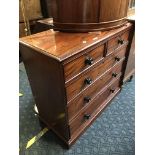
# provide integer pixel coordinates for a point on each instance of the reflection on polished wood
(88, 15)
(74, 76)
(60, 45)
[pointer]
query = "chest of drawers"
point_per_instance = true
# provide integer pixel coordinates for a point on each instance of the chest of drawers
(74, 76)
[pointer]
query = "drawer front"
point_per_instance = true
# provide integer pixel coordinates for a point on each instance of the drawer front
(119, 41)
(85, 61)
(89, 94)
(88, 113)
(82, 82)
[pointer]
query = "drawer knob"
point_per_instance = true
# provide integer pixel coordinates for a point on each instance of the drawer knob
(87, 116)
(112, 90)
(114, 74)
(87, 99)
(120, 41)
(117, 58)
(88, 81)
(89, 61)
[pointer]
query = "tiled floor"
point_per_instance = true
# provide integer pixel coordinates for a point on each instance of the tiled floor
(113, 133)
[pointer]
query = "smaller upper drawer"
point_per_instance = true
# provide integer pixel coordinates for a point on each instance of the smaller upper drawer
(117, 42)
(88, 78)
(83, 62)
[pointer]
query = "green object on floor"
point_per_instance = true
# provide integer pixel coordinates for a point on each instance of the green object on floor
(20, 94)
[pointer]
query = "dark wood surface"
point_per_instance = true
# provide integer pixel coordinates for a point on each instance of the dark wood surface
(130, 68)
(78, 84)
(47, 84)
(88, 15)
(43, 25)
(92, 109)
(79, 102)
(61, 46)
(117, 42)
(84, 62)
(58, 90)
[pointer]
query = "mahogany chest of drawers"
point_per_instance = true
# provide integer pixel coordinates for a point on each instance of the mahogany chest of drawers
(74, 76)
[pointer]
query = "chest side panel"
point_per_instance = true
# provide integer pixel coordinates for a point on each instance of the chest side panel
(47, 83)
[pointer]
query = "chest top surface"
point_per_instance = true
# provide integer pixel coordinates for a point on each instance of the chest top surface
(61, 45)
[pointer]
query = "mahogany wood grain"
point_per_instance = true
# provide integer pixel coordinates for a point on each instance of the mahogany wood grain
(88, 15)
(79, 102)
(90, 109)
(62, 46)
(117, 42)
(111, 10)
(43, 25)
(77, 86)
(130, 68)
(80, 64)
(45, 56)
(99, 110)
(47, 84)
(72, 11)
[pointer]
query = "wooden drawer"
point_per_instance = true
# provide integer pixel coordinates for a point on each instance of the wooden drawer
(117, 42)
(89, 112)
(89, 94)
(83, 62)
(81, 83)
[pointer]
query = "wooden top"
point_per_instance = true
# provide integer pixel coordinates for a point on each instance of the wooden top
(61, 46)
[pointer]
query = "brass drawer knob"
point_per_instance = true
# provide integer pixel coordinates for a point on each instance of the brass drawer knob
(117, 58)
(87, 116)
(87, 99)
(114, 74)
(89, 61)
(88, 81)
(112, 90)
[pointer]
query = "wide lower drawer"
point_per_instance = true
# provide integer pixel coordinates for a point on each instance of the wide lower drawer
(88, 113)
(89, 94)
(84, 81)
(83, 62)
(117, 42)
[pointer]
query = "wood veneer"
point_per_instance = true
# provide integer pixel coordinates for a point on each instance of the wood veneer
(79, 102)
(79, 84)
(46, 56)
(88, 15)
(91, 109)
(130, 68)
